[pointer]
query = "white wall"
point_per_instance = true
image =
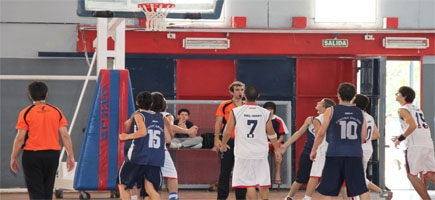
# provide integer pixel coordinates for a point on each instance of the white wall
(428, 91)
(27, 27)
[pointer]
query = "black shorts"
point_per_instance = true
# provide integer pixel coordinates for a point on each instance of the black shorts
(340, 169)
(304, 168)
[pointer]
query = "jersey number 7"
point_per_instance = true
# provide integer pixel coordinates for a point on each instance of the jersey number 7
(253, 124)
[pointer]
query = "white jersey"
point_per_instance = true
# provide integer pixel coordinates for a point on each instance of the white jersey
(324, 145)
(166, 114)
(168, 169)
(319, 162)
(367, 146)
(250, 140)
(421, 135)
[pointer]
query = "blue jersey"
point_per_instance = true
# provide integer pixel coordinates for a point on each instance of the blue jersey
(310, 138)
(344, 131)
(127, 143)
(148, 150)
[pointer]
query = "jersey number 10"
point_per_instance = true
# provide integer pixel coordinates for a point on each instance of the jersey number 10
(348, 130)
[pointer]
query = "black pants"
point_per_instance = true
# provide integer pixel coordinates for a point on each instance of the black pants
(227, 163)
(40, 169)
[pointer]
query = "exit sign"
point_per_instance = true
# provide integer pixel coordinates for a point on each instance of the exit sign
(335, 43)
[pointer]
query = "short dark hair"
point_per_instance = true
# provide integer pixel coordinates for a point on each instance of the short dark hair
(327, 102)
(251, 93)
(408, 93)
(159, 102)
(183, 110)
(346, 91)
(361, 101)
(38, 90)
(234, 84)
(144, 100)
(270, 105)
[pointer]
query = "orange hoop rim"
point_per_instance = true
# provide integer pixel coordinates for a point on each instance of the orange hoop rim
(149, 6)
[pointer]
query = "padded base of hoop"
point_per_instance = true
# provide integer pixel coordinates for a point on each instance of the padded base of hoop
(101, 152)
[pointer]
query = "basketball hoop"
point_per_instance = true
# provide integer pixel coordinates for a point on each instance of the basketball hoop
(155, 15)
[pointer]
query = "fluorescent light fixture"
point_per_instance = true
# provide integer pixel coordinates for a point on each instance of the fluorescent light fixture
(206, 43)
(405, 43)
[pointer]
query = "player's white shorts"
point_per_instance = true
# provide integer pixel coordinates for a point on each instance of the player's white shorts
(318, 164)
(168, 169)
(420, 159)
(367, 154)
(251, 173)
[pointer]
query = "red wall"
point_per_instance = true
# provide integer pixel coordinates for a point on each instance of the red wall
(318, 78)
(266, 43)
(204, 79)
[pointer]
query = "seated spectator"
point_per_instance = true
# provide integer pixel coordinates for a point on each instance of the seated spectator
(280, 129)
(185, 140)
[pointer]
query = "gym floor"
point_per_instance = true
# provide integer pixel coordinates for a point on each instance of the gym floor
(186, 194)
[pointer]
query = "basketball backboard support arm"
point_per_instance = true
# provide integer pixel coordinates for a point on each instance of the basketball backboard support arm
(116, 30)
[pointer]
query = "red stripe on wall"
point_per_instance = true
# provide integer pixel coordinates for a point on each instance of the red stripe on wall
(104, 129)
(257, 43)
(123, 109)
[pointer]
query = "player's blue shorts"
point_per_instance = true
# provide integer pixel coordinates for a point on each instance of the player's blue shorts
(154, 175)
(130, 174)
(339, 169)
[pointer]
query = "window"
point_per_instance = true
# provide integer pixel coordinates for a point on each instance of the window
(345, 11)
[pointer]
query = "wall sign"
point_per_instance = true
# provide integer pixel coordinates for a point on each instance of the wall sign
(335, 43)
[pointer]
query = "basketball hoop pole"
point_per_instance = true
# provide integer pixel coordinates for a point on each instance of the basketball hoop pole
(116, 30)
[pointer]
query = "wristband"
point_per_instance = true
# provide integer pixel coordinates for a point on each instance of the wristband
(401, 138)
(271, 136)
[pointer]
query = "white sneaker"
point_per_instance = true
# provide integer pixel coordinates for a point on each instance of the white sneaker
(174, 145)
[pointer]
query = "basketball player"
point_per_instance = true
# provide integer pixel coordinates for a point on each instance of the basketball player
(416, 133)
(362, 102)
(251, 166)
(306, 174)
(345, 129)
(145, 154)
(223, 111)
(168, 170)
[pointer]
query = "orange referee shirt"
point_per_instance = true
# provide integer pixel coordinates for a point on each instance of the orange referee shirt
(225, 113)
(42, 123)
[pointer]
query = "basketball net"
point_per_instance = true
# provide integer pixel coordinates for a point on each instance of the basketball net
(155, 15)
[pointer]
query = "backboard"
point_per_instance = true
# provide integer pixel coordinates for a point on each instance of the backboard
(184, 9)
